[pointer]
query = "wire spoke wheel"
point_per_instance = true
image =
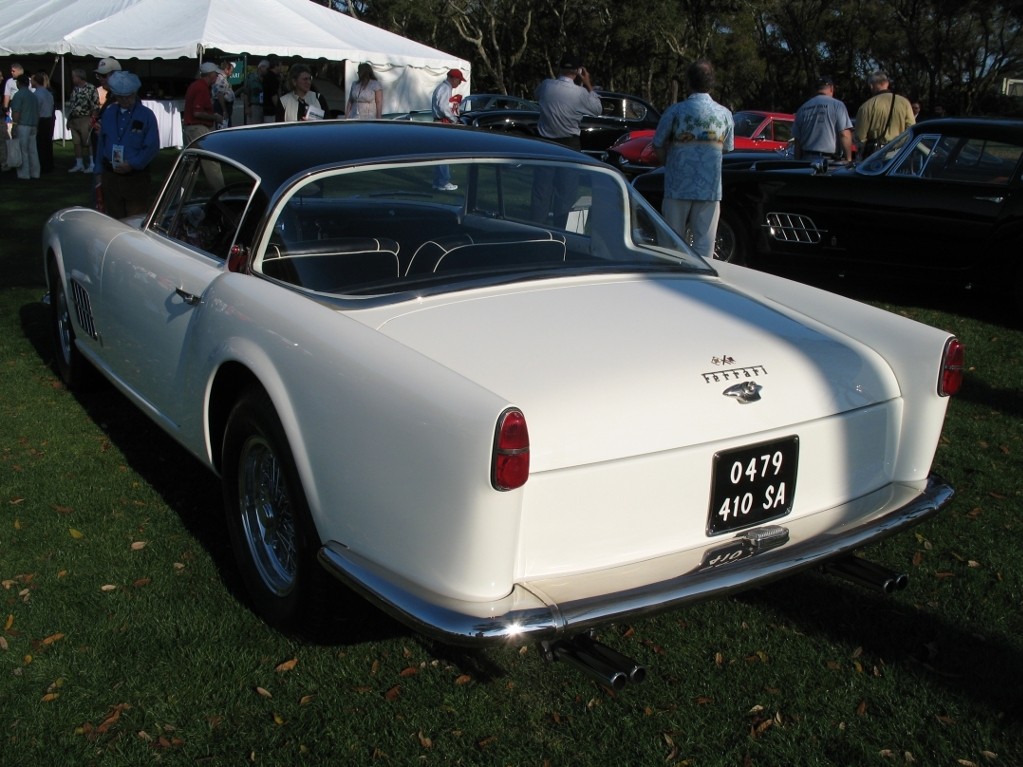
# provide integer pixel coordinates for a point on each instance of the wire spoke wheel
(267, 516)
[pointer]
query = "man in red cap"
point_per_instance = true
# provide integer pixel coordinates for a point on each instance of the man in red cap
(445, 110)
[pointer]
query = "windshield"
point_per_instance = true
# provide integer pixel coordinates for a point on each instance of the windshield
(876, 163)
(400, 227)
(746, 123)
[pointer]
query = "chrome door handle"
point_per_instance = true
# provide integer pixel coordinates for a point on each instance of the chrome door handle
(189, 298)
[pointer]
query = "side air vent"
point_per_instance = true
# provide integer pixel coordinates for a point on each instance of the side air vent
(792, 227)
(83, 309)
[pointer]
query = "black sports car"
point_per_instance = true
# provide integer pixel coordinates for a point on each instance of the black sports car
(619, 115)
(941, 202)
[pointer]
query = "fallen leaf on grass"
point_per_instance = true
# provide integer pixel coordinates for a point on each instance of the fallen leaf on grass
(393, 694)
(287, 665)
(76, 534)
(408, 671)
(53, 638)
(138, 545)
(861, 709)
(3, 644)
(108, 587)
(112, 718)
(424, 741)
(306, 700)
(9, 622)
(485, 742)
(262, 691)
(462, 679)
(50, 697)
(278, 719)
(967, 763)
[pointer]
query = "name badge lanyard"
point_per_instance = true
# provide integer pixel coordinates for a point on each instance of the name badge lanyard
(122, 129)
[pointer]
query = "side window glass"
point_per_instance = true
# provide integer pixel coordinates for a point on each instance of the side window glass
(634, 110)
(914, 163)
(782, 130)
(979, 161)
(204, 205)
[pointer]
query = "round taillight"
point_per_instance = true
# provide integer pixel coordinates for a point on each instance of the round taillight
(951, 378)
(511, 451)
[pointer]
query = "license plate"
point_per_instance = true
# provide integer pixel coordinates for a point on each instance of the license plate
(752, 484)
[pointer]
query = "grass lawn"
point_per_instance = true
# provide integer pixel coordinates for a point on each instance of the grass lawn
(124, 639)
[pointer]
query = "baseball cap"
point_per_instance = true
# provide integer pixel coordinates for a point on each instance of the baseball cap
(107, 65)
(571, 62)
(456, 74)
(122, 83)
(824, 80)
(207, 67)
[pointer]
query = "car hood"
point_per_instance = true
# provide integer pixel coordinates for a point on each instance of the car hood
(608, 369)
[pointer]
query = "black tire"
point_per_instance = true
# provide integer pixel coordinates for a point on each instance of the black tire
(71, 366)
(271, 530)
(732, 243)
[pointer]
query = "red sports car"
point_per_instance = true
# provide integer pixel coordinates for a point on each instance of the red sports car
(754, 130)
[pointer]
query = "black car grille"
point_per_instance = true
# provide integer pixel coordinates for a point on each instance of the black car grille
(793, 227)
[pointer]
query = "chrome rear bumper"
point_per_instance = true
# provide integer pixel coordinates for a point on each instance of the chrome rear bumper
(533, 611)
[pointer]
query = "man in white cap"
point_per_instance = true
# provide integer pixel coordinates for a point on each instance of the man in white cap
(129, 140)
(104, 69)
(199, 116)
(106, 66)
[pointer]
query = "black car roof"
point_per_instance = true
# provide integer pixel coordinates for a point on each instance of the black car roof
(278, 151)
(998, 128)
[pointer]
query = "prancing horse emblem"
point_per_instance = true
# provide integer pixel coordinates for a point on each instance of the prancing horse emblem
(745, 392)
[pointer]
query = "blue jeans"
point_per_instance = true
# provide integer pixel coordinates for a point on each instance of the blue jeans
(442, 175)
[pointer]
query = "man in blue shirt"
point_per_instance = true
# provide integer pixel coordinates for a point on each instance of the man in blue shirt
(822, 127)
(563, 104)
(690, 139)
(129, 141)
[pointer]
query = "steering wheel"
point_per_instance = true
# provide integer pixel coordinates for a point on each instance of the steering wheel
(228, 218)
(216, 202)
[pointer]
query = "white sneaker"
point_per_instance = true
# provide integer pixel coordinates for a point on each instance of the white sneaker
(446, 188)
(90, 169)
(76, 168)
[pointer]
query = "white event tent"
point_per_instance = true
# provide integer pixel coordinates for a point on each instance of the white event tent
(158, 29)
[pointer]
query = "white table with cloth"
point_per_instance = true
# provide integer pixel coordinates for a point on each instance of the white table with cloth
(168, 121)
